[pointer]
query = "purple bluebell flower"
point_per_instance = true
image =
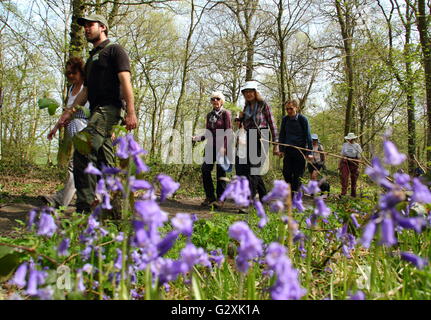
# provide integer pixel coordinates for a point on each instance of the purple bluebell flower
(388, 232)
(403, 180)
(47, 226)
(359, 295)
(421, 193)
(418, 262)
(297, 201)
(137, 184)
(20, 275)
(276, 206)
(169, 186)
(368, 234)
(312, 187)
(140, 164)
(122, 149)
(217, 257)
(119, 237)
(80, 282)
(378, 173)
(191, 256)
(86, 253)
(91, 169)
(183, 223)
(390, 199)
(31, 217)
(321, 209)
(287, 286)
(150, 212)
(260, 213)
(238, 190)
(250, 246)
(279, 192)
(114, 184)
(392, 155)
(110, 170)
(35, 279)
(63, 247)
(119, 261)
(167, 243)
(355, 221)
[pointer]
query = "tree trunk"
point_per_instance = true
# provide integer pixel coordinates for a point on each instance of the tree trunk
(346, 25)
(422, 23)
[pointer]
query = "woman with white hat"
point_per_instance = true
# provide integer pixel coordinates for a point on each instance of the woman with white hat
(350, 150)
(218, 119)
(257, 119)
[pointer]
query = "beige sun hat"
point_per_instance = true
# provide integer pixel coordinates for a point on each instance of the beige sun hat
(218, 94)
(350, 136)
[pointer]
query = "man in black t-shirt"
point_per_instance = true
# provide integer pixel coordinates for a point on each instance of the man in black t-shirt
(107, 87)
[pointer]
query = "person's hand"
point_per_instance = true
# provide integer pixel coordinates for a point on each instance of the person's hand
(130, 121)
(222, 151)
(51, 134)
(196, 138)
(241, 115)
(276, 150)
(65, 118)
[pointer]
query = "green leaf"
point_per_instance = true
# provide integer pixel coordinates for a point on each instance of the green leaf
(47, 103)
(8, 264)
(51, 109)
(82, 142)
(4, 250)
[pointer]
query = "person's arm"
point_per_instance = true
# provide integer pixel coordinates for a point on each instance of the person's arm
(126, 89)
(308, 140)
(80, 100)
(273, 128)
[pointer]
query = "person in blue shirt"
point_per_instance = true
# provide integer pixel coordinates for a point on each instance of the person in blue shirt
(294, 131)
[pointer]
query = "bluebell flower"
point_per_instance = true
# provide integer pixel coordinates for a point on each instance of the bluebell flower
(239, 191)
(260, 213)
(388, 232)
(321, 209)
(91, 169)
(63, 247)
(297, 201)
(279, 192)
(169, 186)
(418, 262)
(368, 234)
(183, 223)
(138, 184)
(312, 187)
(167, 243)
(47, 226)
(359, 295)
(421, 193)
(19, 279)
(287, 286)
(403, 180)
(392, 155)
(118, 264)
(217, 257)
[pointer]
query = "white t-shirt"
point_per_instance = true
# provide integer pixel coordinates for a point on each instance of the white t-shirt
(79, 121)
(351, 150)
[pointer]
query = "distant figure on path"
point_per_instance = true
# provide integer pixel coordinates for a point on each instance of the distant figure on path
(350, 150)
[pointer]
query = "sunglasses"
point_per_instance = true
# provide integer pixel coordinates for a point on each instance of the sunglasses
(68, 73)
(215, 99)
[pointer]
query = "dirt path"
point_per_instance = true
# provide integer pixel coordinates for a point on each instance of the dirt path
(10, 212)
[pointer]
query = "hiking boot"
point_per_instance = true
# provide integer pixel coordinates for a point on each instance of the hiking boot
(49, 201)
(207, 202)
(242, 211)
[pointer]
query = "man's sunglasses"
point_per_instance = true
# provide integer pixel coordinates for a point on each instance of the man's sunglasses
(215, 99)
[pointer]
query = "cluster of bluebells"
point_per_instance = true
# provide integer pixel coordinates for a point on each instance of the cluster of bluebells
(389, 218)
(250, 247)
(27, 275)
(286, 286)
(239, 191)
(276, 198)
(43, 220)
(321, 210)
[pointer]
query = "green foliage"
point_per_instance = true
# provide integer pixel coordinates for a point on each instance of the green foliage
(49, 103)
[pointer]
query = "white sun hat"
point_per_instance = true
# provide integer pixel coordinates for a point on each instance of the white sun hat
(314, 137)
(249, 85)
(350, 136)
